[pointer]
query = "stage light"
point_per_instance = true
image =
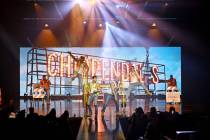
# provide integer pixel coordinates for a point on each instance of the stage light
(35, 4)
(46, 25)
(117, 6)
(84, 22)
(117, 21)
(100, 25)
(154, 25)
(166, 4)
(79, 2)
(122, 5)
(93, 2)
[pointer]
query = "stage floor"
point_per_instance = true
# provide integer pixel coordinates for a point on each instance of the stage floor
(98, 127)
(75, 106)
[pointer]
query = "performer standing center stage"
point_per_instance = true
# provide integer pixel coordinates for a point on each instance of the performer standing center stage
(94, 92)
(114, 95)
(81, 69)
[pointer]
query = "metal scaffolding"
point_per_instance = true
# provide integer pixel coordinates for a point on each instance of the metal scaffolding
(37, 67)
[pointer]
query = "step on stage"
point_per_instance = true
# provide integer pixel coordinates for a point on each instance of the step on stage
(97, 127)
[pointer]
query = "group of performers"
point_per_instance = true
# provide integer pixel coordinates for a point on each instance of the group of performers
(91, 90)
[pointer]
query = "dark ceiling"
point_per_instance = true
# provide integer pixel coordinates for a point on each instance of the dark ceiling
(18, 18)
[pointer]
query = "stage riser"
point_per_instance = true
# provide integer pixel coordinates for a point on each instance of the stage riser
(79, 97)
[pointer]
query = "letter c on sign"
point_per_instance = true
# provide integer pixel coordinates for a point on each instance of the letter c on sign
(52, 57)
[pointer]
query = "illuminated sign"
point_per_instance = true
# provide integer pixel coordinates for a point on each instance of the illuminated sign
(155, 78)
(108, 69)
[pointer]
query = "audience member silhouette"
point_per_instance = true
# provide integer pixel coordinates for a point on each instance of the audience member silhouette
(138, 124)
(65, 116)
(173, 122)
(51, 114)
(32, 115)
(152, 114)
(152, 131)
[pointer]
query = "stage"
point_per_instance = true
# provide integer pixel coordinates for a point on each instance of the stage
(55, 52)
(97, 127)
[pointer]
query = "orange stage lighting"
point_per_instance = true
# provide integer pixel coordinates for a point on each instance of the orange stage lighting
(46, 38)
(82, 32)
(154, 33)
(94, 39)
(76, 28)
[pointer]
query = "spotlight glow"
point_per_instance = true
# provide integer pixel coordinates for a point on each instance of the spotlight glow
(85, 22)
(154, 25)
(93, 2)
(100, 25)
(115, 36)
(35, 4)
(46, 25)
(166, 4)
(79, 2)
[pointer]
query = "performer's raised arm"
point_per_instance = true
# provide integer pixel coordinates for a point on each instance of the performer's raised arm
(86, 68)
(75, 59)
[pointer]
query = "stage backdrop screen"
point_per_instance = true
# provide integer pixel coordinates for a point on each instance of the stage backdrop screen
(153, 67)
